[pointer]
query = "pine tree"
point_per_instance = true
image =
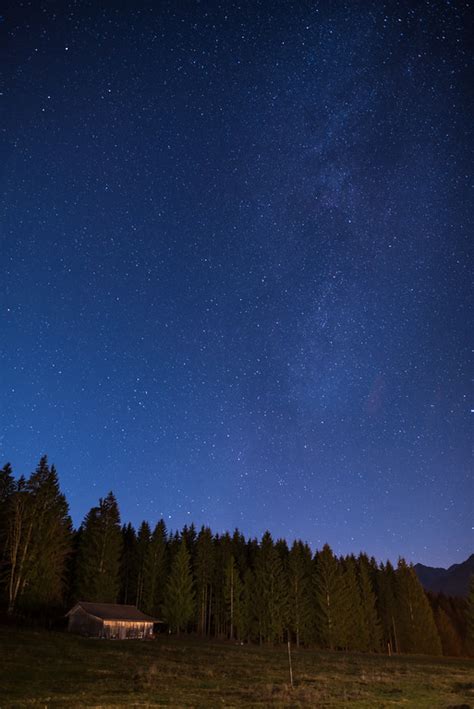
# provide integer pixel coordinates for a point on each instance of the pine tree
(204, 573)
(18, 553)
(253, 550)
(39, 536)
(281, 548)
(143, 566)
(249, 631)
(387, 607)
(451, 642)
(189, 536)
(72, 567)
(158, 570)
(417, 628)
(219, 616)
(300, 607)
(455, 609)
(271, 589)
(371, 621)
(355, 635)
(128, 566)
(100, 553)
(239, 552)
(330, 600)
(173, 544)
(233, 591)
(179, 602)
(53, 529)
(7, 488)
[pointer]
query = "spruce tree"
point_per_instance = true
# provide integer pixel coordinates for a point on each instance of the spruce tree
(387, 607)
(239, 552)
(371, 621)
(128, 566)
(100, 553)
(451, 642)
(233, 591)
(219, 616)
(7, 488)
(53, 530)
(174, 544)
(189, 535)
(300, 607)
(71, 568)
(19, 535)
(204, 573)
(417, 628)
(39, 537)
(331, 605)
(179, 601)
(271, 589)
(143, 566)
(355, 635)
(158, 570)
(249, 621)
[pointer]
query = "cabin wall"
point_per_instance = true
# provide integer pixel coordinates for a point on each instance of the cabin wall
(127, 630)
(84, 624)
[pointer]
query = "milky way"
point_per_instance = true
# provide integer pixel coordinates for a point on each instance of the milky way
(234, 246)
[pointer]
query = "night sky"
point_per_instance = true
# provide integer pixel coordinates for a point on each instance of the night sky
(234, 249)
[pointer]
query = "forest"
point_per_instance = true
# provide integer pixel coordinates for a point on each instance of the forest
(214, 585)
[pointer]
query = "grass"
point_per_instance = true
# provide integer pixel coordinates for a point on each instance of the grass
(60, 670)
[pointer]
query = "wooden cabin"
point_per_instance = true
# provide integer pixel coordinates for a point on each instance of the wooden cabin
(110, 620)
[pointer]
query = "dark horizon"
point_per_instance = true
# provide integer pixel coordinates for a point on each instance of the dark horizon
(235, 247)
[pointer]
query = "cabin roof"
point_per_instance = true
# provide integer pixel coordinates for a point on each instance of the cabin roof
(114, 611)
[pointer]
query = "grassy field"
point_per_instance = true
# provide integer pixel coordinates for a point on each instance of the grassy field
(59, 670)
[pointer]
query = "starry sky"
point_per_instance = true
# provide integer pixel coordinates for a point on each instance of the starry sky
(234, 247)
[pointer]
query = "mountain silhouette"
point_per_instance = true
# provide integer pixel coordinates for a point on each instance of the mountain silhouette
(453, 581)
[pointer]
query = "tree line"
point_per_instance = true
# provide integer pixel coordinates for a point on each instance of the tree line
(215, 585)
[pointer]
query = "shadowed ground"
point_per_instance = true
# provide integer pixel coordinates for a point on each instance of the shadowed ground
(58, 670)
